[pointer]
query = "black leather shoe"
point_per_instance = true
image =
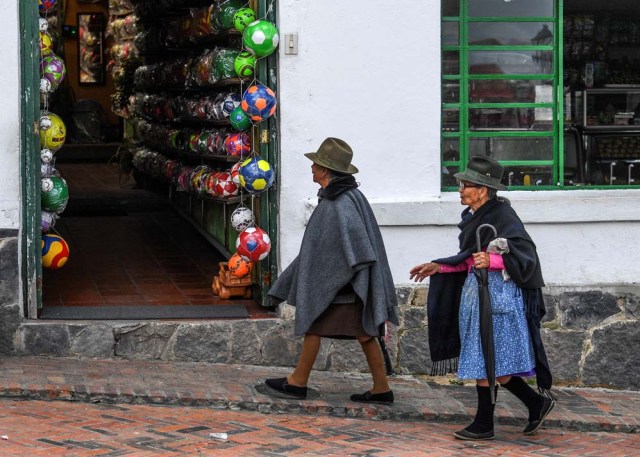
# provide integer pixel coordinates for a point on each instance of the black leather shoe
(385, 398)
(282, 386)
(533, 426)
(466, 435)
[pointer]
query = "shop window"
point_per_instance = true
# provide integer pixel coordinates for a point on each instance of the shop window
(499, 70)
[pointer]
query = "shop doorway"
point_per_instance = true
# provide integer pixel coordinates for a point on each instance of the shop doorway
(140, 248)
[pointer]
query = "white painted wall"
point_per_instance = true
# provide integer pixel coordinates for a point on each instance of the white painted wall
(10, 117)
(369, 72)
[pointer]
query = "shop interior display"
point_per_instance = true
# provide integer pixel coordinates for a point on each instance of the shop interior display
(54, 192)
(186, 82)
(602, 91)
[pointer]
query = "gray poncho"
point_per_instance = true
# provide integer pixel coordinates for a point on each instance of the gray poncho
(342, 244)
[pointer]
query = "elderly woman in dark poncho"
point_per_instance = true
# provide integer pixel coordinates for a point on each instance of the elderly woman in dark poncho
(515, 282)
(340, 282)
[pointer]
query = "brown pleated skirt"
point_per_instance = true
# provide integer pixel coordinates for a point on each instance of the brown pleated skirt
(340, 321)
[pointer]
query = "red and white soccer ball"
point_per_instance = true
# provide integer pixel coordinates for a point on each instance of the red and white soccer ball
(234, 173)
(225, 187)
(253, 244)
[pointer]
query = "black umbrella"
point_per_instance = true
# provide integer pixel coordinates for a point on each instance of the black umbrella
(486, 318)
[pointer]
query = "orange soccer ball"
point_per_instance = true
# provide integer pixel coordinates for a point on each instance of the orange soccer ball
(239, 267)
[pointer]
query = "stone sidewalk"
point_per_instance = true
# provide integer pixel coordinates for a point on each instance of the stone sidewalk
(238, 387)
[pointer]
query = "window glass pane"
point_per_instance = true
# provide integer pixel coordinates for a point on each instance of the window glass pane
(515, 8)
(508, 91)
(529, 176)
(513, 148)
(450, 35)
(450, 8)
(450, 92)
(509, 118)
(451, 150)
(510, 33)
(510, 62)
(450, 63)
(447, 176)
(451, 119)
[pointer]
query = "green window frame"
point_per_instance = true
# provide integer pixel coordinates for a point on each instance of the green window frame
(461, 136)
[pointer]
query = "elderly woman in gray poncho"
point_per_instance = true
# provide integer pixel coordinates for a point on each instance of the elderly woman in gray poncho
(340, 282)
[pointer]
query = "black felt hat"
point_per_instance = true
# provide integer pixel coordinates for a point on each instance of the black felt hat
(484, 171)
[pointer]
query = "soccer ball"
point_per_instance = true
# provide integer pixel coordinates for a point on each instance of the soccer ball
(46, 44)
(53, 132)
(43, 25)
(224, 186)
(44, 6)
(47, 170)
(45, 86)
(256, 175)
(235, 173)
(239, 120)
(259, 102)
(244, 64)
(242, 18)
(261, 38)
(55, 251)
(46, 155)
(238, 266)
(52, 69)
(54, 194)
(48, 220)
(237, 144)
(253, 244)
(241, 218)
(230, 102)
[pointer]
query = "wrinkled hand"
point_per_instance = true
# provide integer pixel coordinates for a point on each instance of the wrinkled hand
(481, 260)
(418, 273)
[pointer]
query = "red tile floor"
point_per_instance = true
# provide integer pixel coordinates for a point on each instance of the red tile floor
(128, 247)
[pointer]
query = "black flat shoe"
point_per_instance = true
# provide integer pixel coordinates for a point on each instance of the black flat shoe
(282, 386)
(385, 398)
(466, 435)
(533, 426)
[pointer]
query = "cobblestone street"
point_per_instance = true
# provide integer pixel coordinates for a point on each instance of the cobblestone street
(58, 428)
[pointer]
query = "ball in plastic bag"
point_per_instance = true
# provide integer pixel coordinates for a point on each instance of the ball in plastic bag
(46, 43)
(259, 102)
(239, 119)
(53, 132)
(230, 102)
(238, 266)
(47, 221)
(244, 64)
(253, 244)
(242, 18)
(261, 38)
(55, 251)
(45, 6)
(256, 175)
(46, 155)
(54, 194)
(241, 218)
(237, 144)
(52, 68)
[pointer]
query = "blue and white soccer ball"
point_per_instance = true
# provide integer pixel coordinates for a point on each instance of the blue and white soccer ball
(256, 175)
(231, 102)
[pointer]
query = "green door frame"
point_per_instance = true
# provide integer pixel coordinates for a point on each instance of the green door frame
(31, 266)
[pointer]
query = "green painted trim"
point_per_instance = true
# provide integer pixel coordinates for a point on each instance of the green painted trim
(31, 265)
(268, 211)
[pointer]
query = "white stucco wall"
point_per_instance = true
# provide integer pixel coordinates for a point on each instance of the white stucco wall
(10, 117)
(369, 72)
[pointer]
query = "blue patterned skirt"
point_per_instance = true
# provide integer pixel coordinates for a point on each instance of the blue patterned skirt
(513, 348)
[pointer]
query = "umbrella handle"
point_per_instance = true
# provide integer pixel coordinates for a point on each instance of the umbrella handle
(479, 229)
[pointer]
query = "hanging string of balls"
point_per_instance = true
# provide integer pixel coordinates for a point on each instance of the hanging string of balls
(54, 192)
(254, 174)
